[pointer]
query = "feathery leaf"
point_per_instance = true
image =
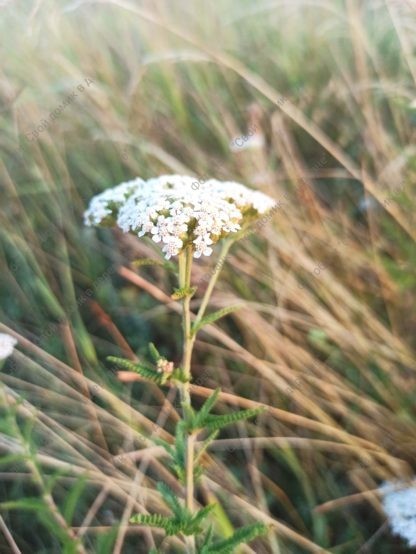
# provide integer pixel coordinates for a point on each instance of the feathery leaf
(205, 445)
(154, 353)
(198, 518)
(244, 535)
(213, 422)
(211, 318)
(171, 525)
(147, 261)
(171, 500)
(183, 292)
(190, 416)
(152, 261)
(145, 372)
(206, 408)
(207, 539)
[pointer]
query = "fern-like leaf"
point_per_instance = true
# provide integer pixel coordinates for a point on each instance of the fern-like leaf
(198, 471)
(180, 472)
(154, 353)
(145, 372)
(172, 500)
(206, 408)
(178, 451)
(207, 540)
(189, 414)
(244, 535)
(214, 423)
(205, 445)
(152, 520)
(212, 318)
(167, 446)
(198, 518)
(183, 292)
(171, 525)
(182, 523)
(180, 440)
(147, 261)
(142, 262)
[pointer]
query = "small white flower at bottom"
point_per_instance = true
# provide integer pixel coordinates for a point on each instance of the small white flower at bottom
(7, 344)
(399, 503)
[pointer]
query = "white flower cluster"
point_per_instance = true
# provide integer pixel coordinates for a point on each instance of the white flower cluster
(169, 210)
(399, 503)
(108, 202)
(7, 344)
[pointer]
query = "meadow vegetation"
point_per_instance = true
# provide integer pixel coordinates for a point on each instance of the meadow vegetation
(95, 93)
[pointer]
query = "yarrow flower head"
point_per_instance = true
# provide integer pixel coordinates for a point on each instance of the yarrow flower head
(7, 344)
(399, 503)
(170, 210)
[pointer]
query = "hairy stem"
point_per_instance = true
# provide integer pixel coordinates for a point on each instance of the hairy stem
(185, 265)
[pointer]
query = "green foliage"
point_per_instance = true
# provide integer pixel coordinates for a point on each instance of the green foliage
(206, 541)
(213, 422)
(28, 503)
(184, 127)
(154, 353)
(105, 541)
(170, 498)
(190, 415)
(72, 499)
(196, 420)
(146, 261)
(170, 525)
(142, 262)
(177, 450)
(207, 407)
(12, 459)
(203, 419)
(183, 292)
(244, 535)
(212, 318)
(212, 436)
(199, 517)
(182, 522)
(179, 375)
(157, 377)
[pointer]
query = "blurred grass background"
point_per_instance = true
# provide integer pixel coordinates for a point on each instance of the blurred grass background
(327, 335)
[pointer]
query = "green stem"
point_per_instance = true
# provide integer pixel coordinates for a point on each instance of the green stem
(185, 266)
(226, 245)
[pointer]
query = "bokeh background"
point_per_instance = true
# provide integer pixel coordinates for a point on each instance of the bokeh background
(312, 102)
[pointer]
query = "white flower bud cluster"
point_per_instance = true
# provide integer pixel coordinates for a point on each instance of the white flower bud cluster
(169, 210)
(399, 503)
